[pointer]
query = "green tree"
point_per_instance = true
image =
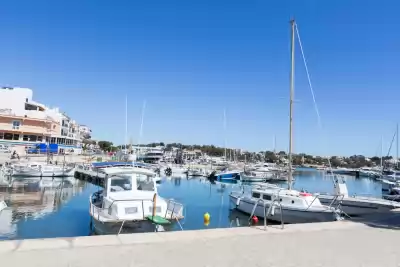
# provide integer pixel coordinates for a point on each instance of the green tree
(270, 157)
(105, 145)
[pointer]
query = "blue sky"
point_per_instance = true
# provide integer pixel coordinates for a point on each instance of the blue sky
(191, 59)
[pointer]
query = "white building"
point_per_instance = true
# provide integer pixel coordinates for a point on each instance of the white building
(85, 132)
(25, 122)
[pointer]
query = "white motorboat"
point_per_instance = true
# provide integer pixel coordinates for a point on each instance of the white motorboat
(39, 169)
(226, 175)
(253, 176)
(131, 201)
(283, 205)
(196, 172)
(355, 205)
(388, 185)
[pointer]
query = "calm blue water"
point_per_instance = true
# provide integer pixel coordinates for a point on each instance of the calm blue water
(59, 208)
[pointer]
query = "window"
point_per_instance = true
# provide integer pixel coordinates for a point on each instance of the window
(256, 195)
(25, 137)
(120, 184)
(266, 197)
(53, 140)
(16, 125)
(40, 138)
(33, 138)
(1, 135)
(16, 137)
(8, 136)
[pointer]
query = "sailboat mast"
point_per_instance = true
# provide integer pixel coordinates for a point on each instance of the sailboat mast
(293, 24)
(382, 152)
(397, 146)
(126, 123)
(141, 126)
(225, 134)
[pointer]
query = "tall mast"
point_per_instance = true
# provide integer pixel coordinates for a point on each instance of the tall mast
(382, 152)
(397, 145)
(225, 134)
(141, 125)
(126, 123)
(293, 25)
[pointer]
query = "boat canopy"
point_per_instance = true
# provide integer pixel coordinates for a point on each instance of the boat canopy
(115, 164)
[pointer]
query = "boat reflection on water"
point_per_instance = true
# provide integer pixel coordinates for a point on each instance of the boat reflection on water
(33, 198)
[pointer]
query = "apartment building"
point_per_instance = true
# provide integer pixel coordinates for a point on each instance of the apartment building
(25, 122)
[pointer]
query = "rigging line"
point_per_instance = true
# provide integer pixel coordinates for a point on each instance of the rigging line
(391, 144)
(308, 78)
(311, 87)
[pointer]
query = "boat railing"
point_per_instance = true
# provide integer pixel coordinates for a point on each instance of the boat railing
(276, 202)
(271, 209)
(338, 209)
(266, 186)
(174, 210)
(312, 202)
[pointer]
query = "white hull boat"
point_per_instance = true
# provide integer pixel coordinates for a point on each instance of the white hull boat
(356, 205)
(360, 206)
(283, 205)
(41, 170)
(387, 185)
(131, 202)
(253, 177)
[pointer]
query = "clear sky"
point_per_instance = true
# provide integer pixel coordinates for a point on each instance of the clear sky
(191, 59)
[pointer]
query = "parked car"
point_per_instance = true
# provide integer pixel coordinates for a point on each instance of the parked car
(4, 149)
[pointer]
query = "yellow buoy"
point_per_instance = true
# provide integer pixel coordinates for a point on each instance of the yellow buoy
(206, 217)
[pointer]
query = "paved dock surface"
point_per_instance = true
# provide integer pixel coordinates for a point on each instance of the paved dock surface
(323, 244)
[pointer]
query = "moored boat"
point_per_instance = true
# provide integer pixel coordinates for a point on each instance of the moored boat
(131, 201)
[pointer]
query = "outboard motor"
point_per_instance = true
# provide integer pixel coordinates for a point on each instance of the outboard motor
(168, 171)
(212, 178)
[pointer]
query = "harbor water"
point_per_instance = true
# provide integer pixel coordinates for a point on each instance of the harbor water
(45, 208)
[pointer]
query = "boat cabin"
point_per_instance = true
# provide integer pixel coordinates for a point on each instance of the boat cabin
(286, 197)
(130, 196)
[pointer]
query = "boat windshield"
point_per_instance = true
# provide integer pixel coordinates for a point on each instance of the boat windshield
(120, 184)
(145, 185)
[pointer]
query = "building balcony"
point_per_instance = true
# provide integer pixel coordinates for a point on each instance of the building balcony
(25, 129)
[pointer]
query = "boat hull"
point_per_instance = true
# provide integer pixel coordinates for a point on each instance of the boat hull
(358, 207)
(113, 228)
(43, 173)
(246, 205)
(249, 178)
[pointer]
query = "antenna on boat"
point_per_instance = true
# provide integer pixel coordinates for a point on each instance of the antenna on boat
(290, 178)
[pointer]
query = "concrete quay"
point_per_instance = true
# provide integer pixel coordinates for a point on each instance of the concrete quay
(320, 244)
